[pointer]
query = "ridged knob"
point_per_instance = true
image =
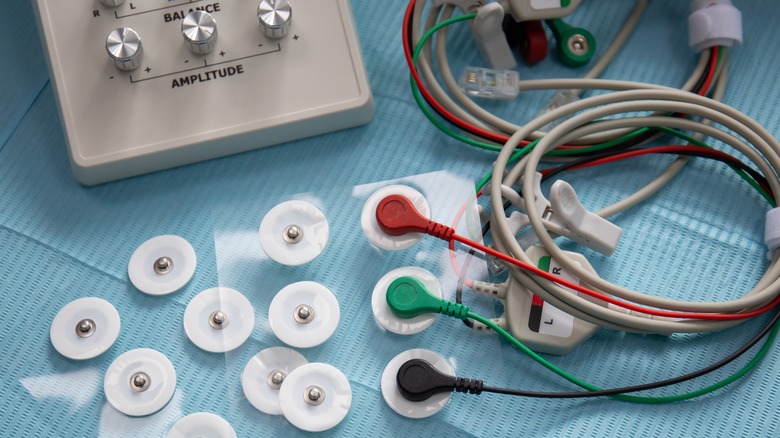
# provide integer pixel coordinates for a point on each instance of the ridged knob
(275, 17)
(112, 3)
(124, 48)
(200, 32)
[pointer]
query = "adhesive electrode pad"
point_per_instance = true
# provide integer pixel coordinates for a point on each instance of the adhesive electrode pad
(294, 232)
(315, 397)
(219, 319)
(85, 328)
(371, 228)
(162, 265)
(393, 396)
(139, 382)
(304, 314)
(386, 318)
(202, 425)
(264, 375)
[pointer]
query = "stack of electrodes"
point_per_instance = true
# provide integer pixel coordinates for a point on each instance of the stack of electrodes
(553, 299)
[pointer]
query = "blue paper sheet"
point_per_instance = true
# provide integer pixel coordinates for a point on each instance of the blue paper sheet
(60, 241)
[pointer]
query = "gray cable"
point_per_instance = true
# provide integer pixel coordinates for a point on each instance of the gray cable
(765, 157)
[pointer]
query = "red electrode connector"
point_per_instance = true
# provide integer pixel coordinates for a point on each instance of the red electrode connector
(396, 216)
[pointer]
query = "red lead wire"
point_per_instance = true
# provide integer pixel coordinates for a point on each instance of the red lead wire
(427, 95)
(396, 215)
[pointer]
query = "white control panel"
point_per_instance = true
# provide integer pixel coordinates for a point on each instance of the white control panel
(145, 85)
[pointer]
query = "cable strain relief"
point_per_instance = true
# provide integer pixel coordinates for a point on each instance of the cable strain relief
(455, 310)
(440, 231)
(714, 23)
(772, 231)
(471, 386)
(497, 290)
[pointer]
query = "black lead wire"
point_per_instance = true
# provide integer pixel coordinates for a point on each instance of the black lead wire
(426, 380)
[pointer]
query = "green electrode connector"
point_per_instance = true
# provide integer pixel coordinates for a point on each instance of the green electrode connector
(576, 46)
(407, 297)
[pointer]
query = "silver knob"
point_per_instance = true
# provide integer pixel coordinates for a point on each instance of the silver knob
(112, 3)
(200, 31)
(124, 48)
(275, 17)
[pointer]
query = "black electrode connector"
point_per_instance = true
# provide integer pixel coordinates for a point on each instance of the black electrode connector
(418, 381)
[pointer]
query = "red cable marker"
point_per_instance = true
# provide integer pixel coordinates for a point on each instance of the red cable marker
(396, 216)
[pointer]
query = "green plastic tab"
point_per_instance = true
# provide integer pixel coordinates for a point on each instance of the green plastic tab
(408, 297)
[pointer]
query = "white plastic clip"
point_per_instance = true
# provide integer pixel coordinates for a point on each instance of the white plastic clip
(491, 39)
(584, 227)
(772, 231)
(714, 23)
(487, 31)
(564, 215)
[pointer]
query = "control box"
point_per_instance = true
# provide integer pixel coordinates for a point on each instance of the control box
(145, 85)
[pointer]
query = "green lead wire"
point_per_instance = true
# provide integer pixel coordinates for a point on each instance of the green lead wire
(634, 398)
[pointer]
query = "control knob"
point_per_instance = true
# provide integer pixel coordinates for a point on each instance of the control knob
(274, 17)
(112, 3)
(200, 32)
(124, 48)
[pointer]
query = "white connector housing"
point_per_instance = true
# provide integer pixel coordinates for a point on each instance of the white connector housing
(525, 10)
(490, 83)
(559, 99)
(714, 23)
(541, 326)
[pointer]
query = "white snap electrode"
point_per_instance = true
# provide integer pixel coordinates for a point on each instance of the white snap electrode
(304, 314)
(162, 265)
(139, 382)
(393, 396)
(315, 397)
(294, 233)
(264, 374)
(386, 318)
(85, 328)
(371, 227)
(202, 425)
(219, 319)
